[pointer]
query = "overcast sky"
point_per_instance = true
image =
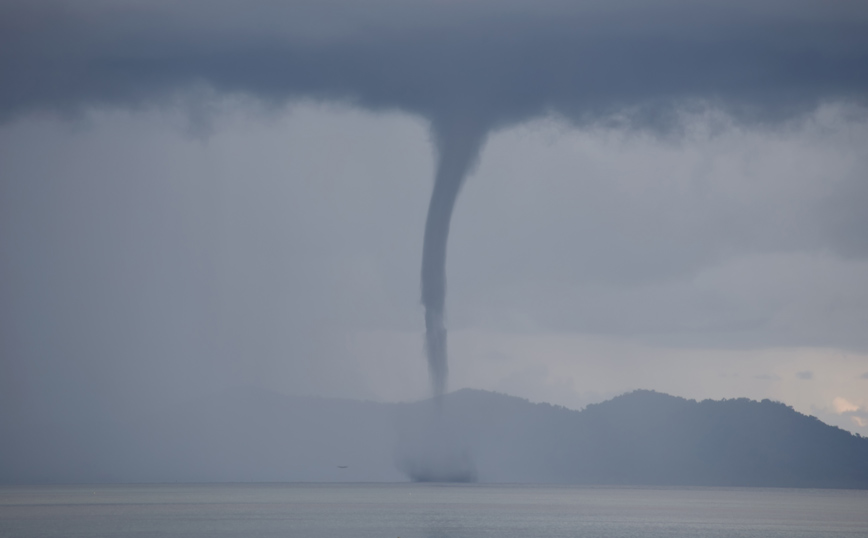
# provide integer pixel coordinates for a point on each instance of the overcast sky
(671, 196)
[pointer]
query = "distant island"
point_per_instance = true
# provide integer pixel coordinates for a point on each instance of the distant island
(639, 438)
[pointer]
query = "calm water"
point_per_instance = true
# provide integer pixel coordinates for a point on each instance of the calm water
(427, 510)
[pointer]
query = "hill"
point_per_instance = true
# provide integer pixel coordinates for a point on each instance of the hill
(640, 438)
(650, 438)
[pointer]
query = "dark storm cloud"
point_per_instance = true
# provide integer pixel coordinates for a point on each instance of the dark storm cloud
(497, 61)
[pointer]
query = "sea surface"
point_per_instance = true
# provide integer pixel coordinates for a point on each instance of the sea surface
(427, 510)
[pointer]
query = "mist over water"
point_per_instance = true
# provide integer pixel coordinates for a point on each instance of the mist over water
(433, 448)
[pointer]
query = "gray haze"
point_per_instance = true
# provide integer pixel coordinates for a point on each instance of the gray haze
(200, 195)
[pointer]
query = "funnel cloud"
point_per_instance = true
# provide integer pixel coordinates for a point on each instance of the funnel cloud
(458, 144)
